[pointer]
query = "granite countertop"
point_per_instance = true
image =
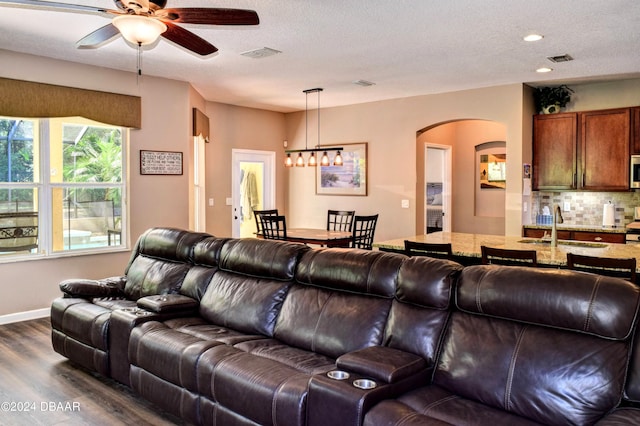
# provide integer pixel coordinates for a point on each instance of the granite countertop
(585, 228)
(468, 245)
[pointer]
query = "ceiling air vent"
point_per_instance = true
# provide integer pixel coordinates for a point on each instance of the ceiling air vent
(363, 83)
(260, 53)
(560, 58)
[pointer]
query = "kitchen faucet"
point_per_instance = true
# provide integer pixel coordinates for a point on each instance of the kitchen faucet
(554, 229)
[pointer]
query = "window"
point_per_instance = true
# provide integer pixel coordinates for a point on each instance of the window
(62, 186)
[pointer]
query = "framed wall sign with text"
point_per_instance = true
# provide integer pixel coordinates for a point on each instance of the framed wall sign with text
(160, 163)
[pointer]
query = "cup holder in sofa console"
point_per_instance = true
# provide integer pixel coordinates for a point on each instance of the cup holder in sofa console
(338, 375)
(364, 384)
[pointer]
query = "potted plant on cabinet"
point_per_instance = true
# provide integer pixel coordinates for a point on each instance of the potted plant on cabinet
(549, 100)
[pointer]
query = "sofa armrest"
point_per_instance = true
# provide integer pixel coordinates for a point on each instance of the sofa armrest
(382, 363)
(168, 303)
(106, 287)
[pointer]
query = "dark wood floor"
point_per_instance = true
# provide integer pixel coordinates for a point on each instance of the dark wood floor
(43, 388)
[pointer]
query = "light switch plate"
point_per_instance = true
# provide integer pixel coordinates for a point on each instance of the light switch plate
(405, 204)
(567, 206)
(229, 201)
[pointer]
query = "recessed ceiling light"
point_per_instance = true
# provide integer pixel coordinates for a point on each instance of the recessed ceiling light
(544, 69)
(533, 37)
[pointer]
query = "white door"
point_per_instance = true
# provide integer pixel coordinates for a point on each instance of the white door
(437, 180)
(253, 188)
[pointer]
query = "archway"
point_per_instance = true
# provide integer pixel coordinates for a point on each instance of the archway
(463, 136)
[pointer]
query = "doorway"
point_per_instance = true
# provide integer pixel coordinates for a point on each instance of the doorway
(253, 188)
(437, 188)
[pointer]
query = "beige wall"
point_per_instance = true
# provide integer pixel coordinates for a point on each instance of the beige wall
(153, 200)
(235, 127)
(390, 129)
(388, 126)
(463, 136)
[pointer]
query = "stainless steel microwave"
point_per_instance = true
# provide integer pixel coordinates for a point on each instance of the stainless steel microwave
(635, 172)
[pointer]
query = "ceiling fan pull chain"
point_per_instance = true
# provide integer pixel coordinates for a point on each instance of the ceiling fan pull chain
(139, 60)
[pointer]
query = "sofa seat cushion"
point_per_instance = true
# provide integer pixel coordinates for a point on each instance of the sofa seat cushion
(434, 405)
(299, 359)
(625, 416)
(172, 349)
(113, 303)
(264, 381)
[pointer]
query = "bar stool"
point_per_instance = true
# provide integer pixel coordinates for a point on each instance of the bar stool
(441, 251)
(620, 268)
(492, 255)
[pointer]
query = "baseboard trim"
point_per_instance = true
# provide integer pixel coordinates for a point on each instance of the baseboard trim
(25, 316)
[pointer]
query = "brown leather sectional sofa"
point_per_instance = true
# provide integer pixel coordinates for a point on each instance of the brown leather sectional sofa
(247, 331)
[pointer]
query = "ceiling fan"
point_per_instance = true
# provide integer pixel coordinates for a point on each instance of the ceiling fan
(142, 21)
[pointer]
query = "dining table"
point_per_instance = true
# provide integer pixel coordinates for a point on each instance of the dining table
(320, 237)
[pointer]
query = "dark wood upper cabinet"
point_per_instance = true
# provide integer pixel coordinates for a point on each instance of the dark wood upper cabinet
(554, 151)
(604, 149)
(635, 137)
(583, 150)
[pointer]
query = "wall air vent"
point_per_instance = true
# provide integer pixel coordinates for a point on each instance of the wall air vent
(560, 58)
(260, 53)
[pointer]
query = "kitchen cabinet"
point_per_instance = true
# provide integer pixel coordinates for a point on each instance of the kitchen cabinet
(635, 137)
(591, 236)
(539, 233)
(598, 237)
(554, 151)
(604, 150)
(582, 150)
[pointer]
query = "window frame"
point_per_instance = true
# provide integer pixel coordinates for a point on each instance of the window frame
(45, 187)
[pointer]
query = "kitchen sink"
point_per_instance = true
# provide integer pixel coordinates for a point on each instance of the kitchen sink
(563, 243)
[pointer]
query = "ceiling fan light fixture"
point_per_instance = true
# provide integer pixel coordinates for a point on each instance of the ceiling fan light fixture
(139, 30)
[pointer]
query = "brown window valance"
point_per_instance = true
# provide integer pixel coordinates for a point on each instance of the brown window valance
(28, 99)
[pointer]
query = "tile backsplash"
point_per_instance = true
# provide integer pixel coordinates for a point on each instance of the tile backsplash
(586, 207)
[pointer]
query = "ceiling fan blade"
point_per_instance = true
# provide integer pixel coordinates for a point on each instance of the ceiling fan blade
(37, 4)
(98, 37)
(210, 16)
(188, 40)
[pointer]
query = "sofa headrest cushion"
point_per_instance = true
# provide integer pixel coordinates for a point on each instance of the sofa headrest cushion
(261, 258)
(167, 243)
(427, 282)
(360, 271)
(589, 303)
(207, 251)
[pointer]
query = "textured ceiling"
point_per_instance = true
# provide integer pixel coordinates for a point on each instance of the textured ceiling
(406, 47)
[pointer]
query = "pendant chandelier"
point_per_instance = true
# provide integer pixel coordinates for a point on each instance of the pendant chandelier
(312, 161)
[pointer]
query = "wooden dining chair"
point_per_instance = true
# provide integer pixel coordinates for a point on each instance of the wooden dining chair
(364, 227)
(258, 213)
(621, 268)
(492, 255)
(441, 251)
(274, 227)
(340, 220)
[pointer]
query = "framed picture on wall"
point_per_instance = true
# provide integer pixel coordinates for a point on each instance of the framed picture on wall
(160, 163)
(348, 179)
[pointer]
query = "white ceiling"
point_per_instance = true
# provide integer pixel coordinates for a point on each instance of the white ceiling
(406, 47)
